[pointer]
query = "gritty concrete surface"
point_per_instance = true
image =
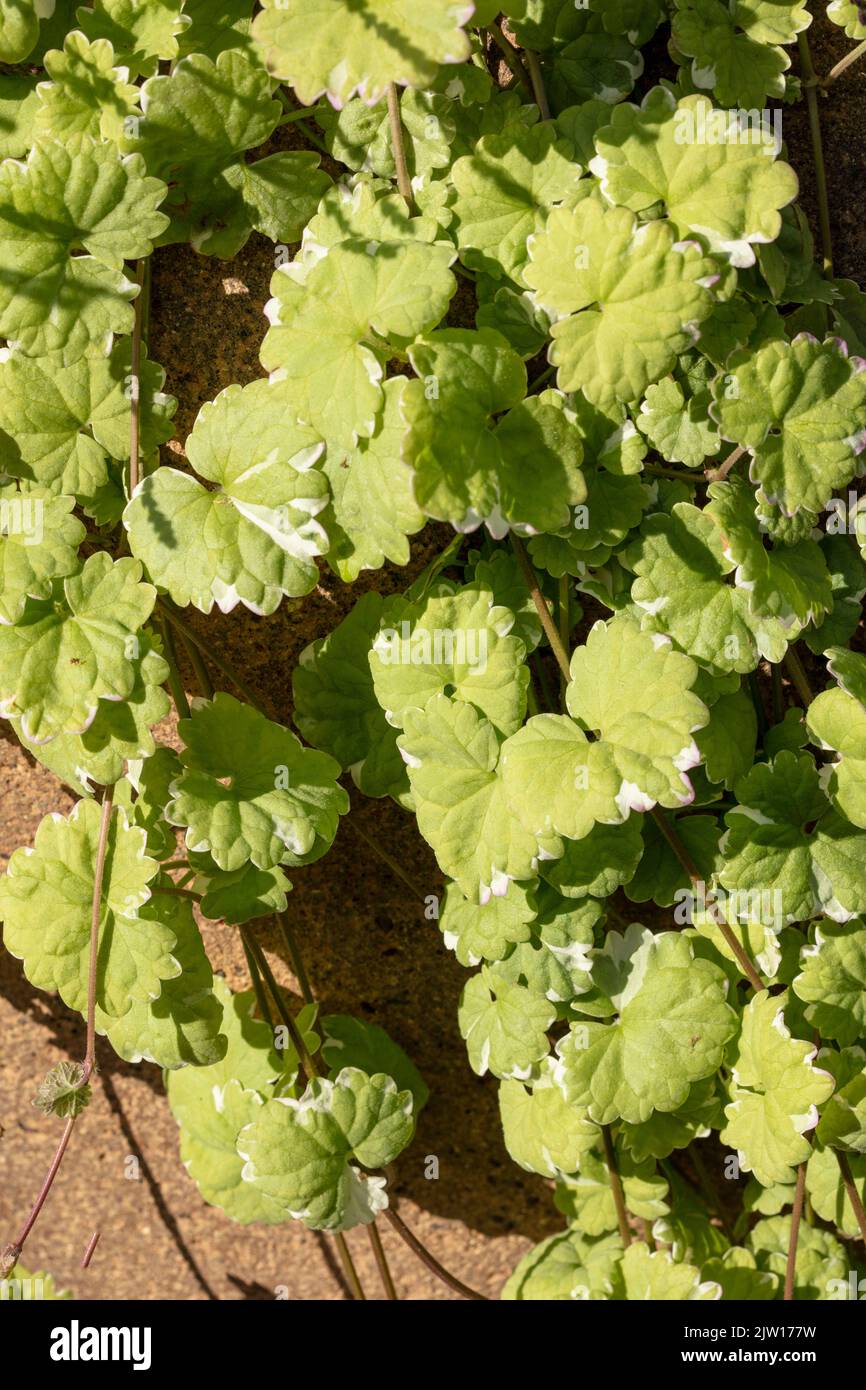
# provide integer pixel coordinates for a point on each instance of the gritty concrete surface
(364, 936)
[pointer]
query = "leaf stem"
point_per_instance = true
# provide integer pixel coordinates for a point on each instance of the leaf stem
(12, 1253)
(694, 873)
(537, 80)
(511, 56)
(718, 475)
(349, 1270)
(386, 859)
(135, 380)
(381, 1262)
(811, 89)
(796, 1214)
(797, 672)
(311, 136)
(95, 921)
(564, 616)
(178, 694)
(429, 1260)
(851, 1192)
(297, 960)
(398, 144)
(196, 661)
(844, 64)
(295, 1033)
(541, 607)
(626, 1235)
(219, 661)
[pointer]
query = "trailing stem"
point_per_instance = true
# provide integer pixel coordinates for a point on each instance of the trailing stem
(429, 1260)
(796, 1215)
(810, 83)
(616, 1187)
(851, 1192)
(550, 632)
(398, 145)
(12, 1252)
(843, 64)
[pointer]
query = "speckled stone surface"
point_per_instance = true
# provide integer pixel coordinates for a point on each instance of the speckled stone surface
(364, 935)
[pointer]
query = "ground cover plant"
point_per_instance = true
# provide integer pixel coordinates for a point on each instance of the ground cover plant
(541, 279)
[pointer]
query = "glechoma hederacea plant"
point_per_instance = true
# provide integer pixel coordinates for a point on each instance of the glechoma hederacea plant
(647, 446)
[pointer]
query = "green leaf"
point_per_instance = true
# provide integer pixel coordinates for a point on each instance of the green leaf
(843, 1118)
(121, 731)
(63, 1091)
(662, 1133)
(71, 650)
(19, 103)
(335, 705)
(46, 899)
(451, 752)
(300, 1153)
(680, 430)
(87, 93)
(542, 1133)
(372, 511)
(599, 863)
(788, 582)
(554, 964)
(240, 895)
(787, 856)
(660, 876)
(713, 170)
(829, 1194)
(486, 931)
(566, 1266)
(20, 29)
(636, 696)
(504, 1026)
(727, 743)
(821, 1264)
(181, 1027)
(198, 121)
(250, 791)
(837, 721)
(655, 1276)
(848, 14)
(329, 339)
(775, 1093)
(60, 423)
(521, 474)
(454, 643)
(681, 567)
(325, 48)
(253, 535)
(65, 199)
(740, 71)
(798, 408)
(353, 1042)
(670, 1030)
(281, 192)
(833, 981)
(587, 1199)
(140, 34)
(624, 304)
(39, 540)
(503, 193)
(213, 1104)
(559, 782)
(214, 29)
